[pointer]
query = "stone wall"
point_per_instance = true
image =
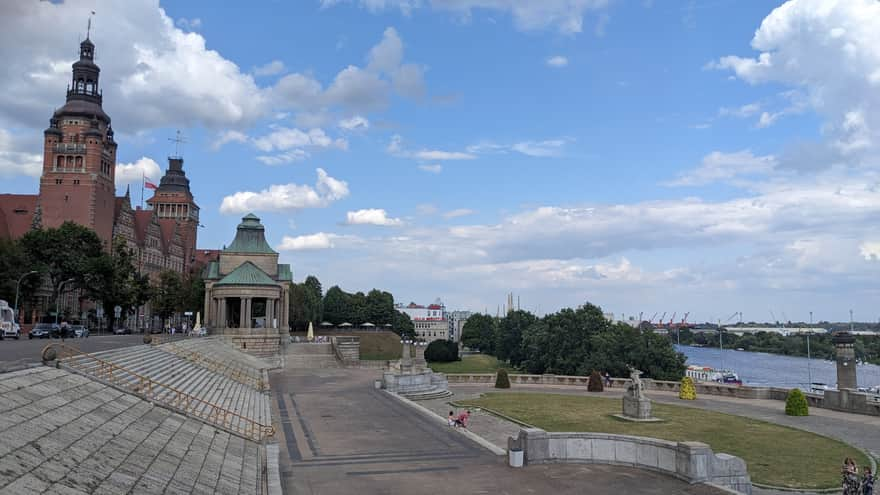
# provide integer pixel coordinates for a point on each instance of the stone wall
(693, 462)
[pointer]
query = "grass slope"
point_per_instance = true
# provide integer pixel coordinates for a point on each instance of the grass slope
(381, 345)
(776, 455)
(476, 363)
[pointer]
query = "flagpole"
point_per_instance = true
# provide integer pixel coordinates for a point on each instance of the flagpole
(143, 181)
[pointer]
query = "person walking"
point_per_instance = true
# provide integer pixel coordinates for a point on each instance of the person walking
(607, 379)
(850, 474)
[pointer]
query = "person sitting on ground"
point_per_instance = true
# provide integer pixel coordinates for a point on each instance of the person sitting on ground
(450, 420)
(867, 482)
(850, 474)
(462, 419)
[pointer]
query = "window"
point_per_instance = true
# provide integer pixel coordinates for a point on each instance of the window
(79, 162)
(59, 162)
(69, 162)
(57, 181)
(75, 182)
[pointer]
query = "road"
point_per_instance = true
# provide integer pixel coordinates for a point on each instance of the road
(21, 353)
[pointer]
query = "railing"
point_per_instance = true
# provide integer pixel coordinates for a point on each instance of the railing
(230, 370)
(153, 390)
(70, 148)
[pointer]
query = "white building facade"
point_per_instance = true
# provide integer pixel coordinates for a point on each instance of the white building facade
(430, 321)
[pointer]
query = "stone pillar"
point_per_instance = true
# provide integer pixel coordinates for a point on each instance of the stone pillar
(270, 310)
(846, 360)
(242, 313)
(206, 308)
(249, 312)
(419, 358)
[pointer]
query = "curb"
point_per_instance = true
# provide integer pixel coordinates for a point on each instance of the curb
(819, 490)
(273, 475)
(491, 447)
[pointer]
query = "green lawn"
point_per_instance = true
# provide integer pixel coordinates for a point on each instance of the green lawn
(382, 345)
(776, 455)
(477, 363)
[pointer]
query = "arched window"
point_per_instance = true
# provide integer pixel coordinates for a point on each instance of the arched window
(69, 162)
(59, 162)
(90, 87)
(80, 85)
(79, 162)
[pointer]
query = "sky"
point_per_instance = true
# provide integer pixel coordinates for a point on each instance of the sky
(647, 156)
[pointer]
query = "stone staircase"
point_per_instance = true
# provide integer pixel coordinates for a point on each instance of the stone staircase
(165, 377)
(312, 356)
(212, 351)
(62, 432)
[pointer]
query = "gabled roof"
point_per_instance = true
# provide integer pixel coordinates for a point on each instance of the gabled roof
(142, 219)
(169, 227)
(247, 274)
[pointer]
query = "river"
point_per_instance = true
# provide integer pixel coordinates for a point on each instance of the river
(762, 369)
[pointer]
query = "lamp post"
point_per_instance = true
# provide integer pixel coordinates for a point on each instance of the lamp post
(809, 370)
(58, 297)
(17, 286)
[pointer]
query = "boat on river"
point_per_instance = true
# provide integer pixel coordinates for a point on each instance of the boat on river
(709, 374)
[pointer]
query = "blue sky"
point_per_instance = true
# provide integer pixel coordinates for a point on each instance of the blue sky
(709, 157)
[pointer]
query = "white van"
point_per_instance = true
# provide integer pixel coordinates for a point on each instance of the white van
(8, 326)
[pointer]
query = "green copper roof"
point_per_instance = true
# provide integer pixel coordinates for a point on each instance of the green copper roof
(247, 274)
(284, 273)
(250, 237)
(211, 271)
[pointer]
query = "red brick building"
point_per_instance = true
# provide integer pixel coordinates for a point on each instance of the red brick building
(78, 184)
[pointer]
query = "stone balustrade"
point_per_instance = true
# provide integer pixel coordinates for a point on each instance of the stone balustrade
(847, 401)
(693, 462)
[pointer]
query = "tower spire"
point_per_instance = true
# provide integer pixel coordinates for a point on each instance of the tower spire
(89, 27)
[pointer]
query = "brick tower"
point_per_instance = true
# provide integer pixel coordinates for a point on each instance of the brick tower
(79, 155)
(173, 201)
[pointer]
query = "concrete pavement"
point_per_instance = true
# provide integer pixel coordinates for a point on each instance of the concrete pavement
(339, 435)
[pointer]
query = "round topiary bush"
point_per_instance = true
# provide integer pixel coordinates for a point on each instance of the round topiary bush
(687, 391)
(501, 379)
(796, 403)
(595, 383)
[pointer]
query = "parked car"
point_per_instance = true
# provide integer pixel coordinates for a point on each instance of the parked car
(122, 331)
(79, 331)
(44, 331)
(62, 332)
(8, 326)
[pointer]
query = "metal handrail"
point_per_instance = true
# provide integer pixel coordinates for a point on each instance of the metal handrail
(151, 389)
(230, 370)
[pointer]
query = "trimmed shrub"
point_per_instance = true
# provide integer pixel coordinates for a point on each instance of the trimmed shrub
(796, 403)
(441, 351)
(595, 384)
(687, 391)
(501, 379)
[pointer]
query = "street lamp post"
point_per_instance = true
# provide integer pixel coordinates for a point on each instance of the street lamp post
(809, 370)
(17, 286)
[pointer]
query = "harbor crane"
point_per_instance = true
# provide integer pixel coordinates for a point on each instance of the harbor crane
(651, 321)
(671, 320)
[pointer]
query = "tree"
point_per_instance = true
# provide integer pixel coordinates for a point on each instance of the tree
(595, 384)
(796, 403)
(193, 293)
(357, 308)
(441, 351)
(112, 280)
(687, 391)
(479, 333)
(298, 318)
(508, 338)
(314, 299)
(379, 307)
(336, 303)
(501, 379)
(166, 295)
(62, 253)
(403, 325)
(14, 263)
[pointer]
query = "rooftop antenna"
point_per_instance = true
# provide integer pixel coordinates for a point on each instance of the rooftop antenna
(89, 28)
(178, 139)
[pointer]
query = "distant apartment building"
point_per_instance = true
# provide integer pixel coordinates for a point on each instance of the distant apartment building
(457, 320)
(430, 321)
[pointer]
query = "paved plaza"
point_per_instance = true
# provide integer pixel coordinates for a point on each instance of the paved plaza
(341, 436)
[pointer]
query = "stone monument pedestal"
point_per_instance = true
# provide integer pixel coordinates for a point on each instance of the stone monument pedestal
(639, 409)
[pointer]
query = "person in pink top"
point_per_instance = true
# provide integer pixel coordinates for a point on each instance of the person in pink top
(463, 419)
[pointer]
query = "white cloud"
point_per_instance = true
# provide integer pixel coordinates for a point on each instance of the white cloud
(358, 89)
(287, 197)
(743, 111)
(190, 24)
(133, 173)
(355, 123)
(228, 136)
(387, 55)
(460, 212)
(272, 68)
(17, 163)
(395, 147)
(320, 240)
(285, 138)
(566, 16)
(829, 50)
(155, 73)
(409, 80)
(870, 250)
(371, 216)
(434, 168)
(718, 166)
(426, 209)
(557, 61)
(297, 91)
(546, 148)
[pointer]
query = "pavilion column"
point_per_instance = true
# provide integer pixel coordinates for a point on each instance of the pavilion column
(270, 312)
(250, 312)
(285, 308)
(242, 313)
(221, 313)
(206, 309)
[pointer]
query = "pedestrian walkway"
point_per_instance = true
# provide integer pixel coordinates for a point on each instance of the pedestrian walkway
(339, 435)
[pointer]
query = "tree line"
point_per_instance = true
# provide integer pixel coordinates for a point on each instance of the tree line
(866, 347)
(308, 303)
(72, 257)
(573, 342)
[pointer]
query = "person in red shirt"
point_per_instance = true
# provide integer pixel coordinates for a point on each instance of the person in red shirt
(463, 419)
